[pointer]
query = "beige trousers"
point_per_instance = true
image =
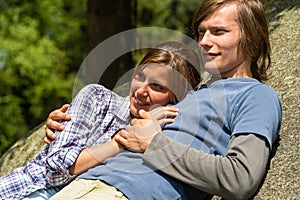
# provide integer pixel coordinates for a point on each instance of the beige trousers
(89, 190)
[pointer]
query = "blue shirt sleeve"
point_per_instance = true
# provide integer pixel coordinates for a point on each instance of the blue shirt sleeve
(258, 111)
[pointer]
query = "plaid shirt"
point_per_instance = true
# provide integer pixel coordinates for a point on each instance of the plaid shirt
(97, 113)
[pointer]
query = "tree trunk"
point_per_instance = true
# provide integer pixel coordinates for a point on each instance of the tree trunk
(106, 19)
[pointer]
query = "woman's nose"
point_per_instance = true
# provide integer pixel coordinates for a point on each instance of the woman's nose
(143, 89)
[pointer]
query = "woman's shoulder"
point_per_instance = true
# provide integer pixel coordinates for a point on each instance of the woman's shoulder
(95, 87)
(97, 90)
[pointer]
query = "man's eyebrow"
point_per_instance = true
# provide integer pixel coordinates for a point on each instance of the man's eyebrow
(212, 27)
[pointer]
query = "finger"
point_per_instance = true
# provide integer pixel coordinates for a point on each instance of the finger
(57, 115)
(170, 108)
(47, 141)
(144, 114)
(121, 138)
(165, 121)
(122, 133)
(54, 125)
(162, 112)
(50, 134)
(170, 114)
(64, 108)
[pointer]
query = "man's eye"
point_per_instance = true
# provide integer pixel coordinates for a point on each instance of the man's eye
(201, 32)
(219, 31)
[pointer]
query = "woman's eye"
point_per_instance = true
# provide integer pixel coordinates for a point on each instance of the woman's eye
(139, 76)
(158, 87)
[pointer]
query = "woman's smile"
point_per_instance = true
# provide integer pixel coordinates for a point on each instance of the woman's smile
(139, 103)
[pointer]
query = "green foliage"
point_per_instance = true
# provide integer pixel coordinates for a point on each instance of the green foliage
(42, 46)
(171, 14)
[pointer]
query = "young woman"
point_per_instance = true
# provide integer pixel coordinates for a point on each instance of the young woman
(165, 75)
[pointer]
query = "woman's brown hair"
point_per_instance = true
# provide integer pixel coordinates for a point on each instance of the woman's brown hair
(182, 59)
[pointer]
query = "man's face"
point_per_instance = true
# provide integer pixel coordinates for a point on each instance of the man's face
(219, 36)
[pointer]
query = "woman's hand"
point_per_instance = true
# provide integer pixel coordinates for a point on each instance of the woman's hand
(53, 122)
(138, 135)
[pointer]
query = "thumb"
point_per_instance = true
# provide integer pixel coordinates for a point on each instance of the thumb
(144, 114)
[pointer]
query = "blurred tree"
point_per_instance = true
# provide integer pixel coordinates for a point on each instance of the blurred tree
(41, 45)
(171, 14)
(114, 18)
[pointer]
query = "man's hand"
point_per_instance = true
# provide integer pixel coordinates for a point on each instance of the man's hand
(163, 114)
(139, 133)
(53, 123)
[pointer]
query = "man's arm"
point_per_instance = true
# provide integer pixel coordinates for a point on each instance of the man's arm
(235, 176)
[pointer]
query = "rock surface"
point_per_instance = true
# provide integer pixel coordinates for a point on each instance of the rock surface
(23, 150)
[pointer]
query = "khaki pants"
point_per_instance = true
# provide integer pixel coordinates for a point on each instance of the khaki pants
(88, 190)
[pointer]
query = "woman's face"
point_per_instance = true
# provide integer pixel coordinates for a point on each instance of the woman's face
(219, 37)
(149, 87)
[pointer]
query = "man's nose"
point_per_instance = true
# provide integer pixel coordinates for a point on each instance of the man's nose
(205, 40)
